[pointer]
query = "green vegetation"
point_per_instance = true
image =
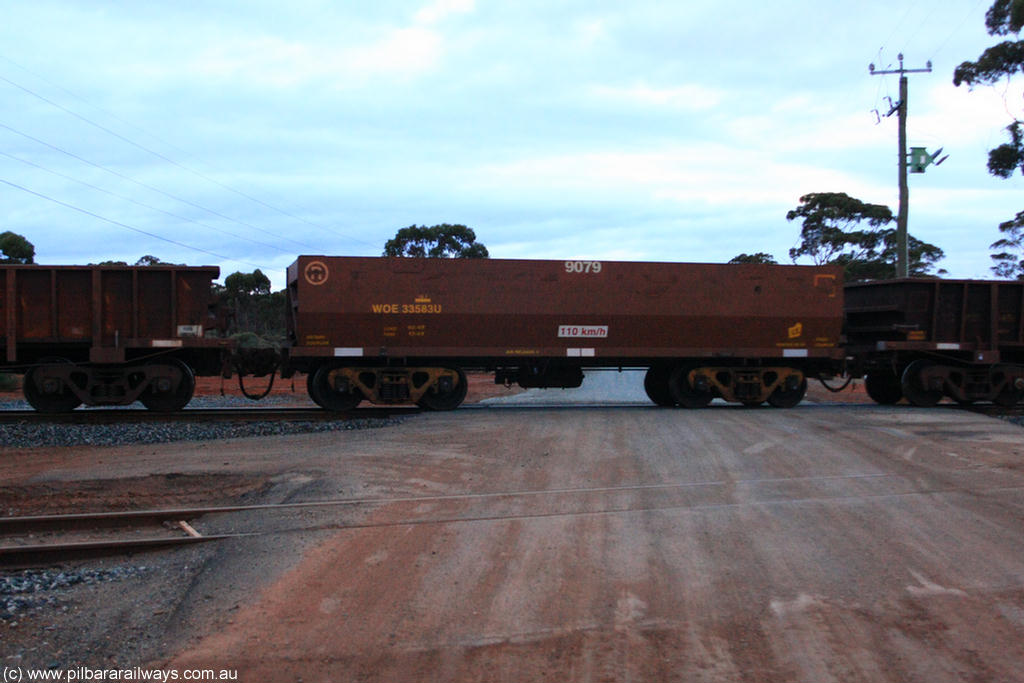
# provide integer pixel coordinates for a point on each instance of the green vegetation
(837, 229)
(831, 232)
(438, 241)
(15, 248)
(1003, 61)
(759, 257)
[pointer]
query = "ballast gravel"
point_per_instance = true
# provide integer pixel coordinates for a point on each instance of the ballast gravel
(26, 435)
(25, 591)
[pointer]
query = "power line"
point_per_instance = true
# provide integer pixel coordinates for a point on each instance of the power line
(899, 23)
(125, 225)
(921, 24)
(142, 204)
(956, 29)
(150, 187)
(167, 159)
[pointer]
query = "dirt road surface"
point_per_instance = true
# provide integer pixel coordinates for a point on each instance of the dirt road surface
(629, 544)
(520, 543)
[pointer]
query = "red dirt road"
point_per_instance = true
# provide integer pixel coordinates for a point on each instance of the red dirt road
(818, 544)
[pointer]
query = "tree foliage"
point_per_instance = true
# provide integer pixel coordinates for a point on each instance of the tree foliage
(759, 257)
(1003, 61)
(15, 248)
(150, 260)
(1009, 260)
(831, 233)
(439, 241)
(144, 261)
(246, 284)
(253, 307)
(881, 263)
(828, 230)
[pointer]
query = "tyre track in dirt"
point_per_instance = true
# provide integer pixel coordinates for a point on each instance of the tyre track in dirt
(786, 552)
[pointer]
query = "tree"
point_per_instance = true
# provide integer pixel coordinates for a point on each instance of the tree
(831, 234)
(759, 257)
(15, 248)
(1000, 61)
(144, 261)
(247, 284)
(149, 260)
(1004, 60)
(248, 296)
(922, 258)
(443, 241)
(1009, 262)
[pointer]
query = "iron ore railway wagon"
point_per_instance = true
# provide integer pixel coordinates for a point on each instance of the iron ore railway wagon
(923, 340)
(109, 335)
(407, 329)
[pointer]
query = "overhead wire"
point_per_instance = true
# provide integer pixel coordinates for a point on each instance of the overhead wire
(142, 204)
(150, 187)
(920, 25)
(898, 25)
(167, 159)
(956, 29)
(125, 225)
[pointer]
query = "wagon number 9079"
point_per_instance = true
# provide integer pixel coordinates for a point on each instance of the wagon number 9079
(583, 266)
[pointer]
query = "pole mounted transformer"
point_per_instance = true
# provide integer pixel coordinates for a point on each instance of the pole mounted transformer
(900, 108)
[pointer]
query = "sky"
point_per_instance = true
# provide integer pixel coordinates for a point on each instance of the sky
(242, 134)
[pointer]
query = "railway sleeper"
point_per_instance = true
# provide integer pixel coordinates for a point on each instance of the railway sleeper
(434, 388)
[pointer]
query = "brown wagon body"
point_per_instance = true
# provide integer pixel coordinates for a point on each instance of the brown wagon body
(540, 322)
(108, 334)
(924, 339)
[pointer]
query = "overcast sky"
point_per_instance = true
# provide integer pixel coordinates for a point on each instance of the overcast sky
(247, 133)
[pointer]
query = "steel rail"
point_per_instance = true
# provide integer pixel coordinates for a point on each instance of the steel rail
(41, 554)
(243, 414)
(55, 552)
(25, 523)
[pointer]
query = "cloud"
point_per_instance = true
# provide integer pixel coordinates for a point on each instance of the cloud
(442, 9)
(688, 97)
(699, 174)
(260, 61)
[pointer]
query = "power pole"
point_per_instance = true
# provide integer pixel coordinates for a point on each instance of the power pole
(902, 257)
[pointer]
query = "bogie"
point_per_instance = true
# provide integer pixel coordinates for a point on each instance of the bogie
(340, 388)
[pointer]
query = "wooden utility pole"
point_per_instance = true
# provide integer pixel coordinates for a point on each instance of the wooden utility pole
(902, 257)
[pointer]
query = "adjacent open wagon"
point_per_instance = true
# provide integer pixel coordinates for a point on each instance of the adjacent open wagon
(926, 339)
(109, 334)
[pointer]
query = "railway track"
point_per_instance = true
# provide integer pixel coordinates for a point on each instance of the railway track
(41, 540)
(45, 540)
(245, 414)
(270, 414)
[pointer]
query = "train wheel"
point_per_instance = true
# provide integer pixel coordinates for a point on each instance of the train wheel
(446, 400)
(1009, 396)
(883, 386)
(684, 393)
(323, 391)
(63, 401)
(788, 398)
(656, 385)
(173, 399)
(913, 385)
(311, 389)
